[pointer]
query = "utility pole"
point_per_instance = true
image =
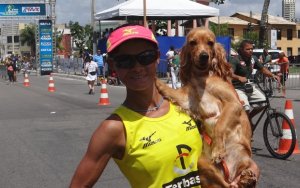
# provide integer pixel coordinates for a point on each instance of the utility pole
(263, 25)
(145, 13)
(92, 25)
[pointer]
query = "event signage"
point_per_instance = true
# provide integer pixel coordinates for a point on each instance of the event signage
(8, 10)
(45, 42)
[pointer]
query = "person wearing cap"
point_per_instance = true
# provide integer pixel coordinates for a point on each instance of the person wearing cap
(153, 143)
(85, 54)
(91, 68)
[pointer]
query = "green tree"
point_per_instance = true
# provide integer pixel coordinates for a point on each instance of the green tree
(58, 38)
(219, 29)
(27, 36)
(82, 36)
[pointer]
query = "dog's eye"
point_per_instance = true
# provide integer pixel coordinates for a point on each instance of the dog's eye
(210, 43)
(192, 43)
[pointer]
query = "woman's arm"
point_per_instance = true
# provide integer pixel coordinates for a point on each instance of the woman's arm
(107, 141)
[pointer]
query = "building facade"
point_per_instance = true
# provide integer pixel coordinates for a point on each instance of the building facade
(287, 33)
(288, 10)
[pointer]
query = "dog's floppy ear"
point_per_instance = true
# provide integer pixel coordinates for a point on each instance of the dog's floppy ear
(220, 65)
(185, 57)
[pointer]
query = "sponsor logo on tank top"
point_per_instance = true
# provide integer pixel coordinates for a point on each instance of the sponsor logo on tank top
(183, 166)
(149, 141)
(190, 125)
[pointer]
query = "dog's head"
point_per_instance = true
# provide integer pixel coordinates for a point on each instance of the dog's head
(201, 55)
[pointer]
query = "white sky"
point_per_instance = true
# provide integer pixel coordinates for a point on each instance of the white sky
(80, 10)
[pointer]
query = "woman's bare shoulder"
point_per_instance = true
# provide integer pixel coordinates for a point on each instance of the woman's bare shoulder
(109, 137)
(112, 126)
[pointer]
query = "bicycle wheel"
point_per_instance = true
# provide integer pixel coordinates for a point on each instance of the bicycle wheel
(273, 133)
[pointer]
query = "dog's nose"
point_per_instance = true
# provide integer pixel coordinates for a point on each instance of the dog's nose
(203, 56)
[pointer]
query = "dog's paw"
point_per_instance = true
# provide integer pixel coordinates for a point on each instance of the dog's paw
(248, 179)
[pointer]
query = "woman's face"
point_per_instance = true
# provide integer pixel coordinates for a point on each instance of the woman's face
(139, 77)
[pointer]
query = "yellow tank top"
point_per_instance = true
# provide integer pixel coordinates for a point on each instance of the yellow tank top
(160, 152)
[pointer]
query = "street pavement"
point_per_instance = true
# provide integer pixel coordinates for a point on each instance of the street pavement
(44, 135)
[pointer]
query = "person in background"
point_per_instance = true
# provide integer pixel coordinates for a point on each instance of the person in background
(98, 58)
(85, 54)
(14, 59)
(242, 67)
(91, 69)
(265, 57)
(10, 67)
(153, 143)
(176, 62)
(26, 65)
(171, 67)
(283, 61)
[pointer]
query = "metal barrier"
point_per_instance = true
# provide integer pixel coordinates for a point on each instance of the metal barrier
(75, 66)
(293, 80)
(68, 66)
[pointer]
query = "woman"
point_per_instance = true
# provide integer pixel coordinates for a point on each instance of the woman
(91, 69)
(152, 142)
(10, 70)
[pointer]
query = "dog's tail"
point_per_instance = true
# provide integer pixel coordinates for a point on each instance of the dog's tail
(210, 176)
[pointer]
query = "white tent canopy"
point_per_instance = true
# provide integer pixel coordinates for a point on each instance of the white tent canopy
(157, 9)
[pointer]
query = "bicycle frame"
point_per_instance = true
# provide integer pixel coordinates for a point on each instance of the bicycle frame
(266, 110)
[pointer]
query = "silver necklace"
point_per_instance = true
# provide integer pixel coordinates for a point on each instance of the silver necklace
(156, 107)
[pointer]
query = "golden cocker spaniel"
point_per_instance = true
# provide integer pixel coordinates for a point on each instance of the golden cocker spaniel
(208, 96)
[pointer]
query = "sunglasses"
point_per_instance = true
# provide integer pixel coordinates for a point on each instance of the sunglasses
(127, 61)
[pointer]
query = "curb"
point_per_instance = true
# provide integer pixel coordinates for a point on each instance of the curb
(78, 77)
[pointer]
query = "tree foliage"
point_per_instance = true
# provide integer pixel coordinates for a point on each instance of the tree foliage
(82, 36)
(219, 29)
(27, 36)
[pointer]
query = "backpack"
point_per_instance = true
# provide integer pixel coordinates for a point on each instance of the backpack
(10, 68)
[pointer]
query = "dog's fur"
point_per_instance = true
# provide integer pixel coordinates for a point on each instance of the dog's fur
(208, 96)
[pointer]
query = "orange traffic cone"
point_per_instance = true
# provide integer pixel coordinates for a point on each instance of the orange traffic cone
(285, 142)
(51, 87)
(103, 100)
(26, 82)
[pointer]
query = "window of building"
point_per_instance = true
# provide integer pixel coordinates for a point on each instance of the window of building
(16, 39)
(231, 32)
(298, 34)
(279, 34)
(278, 48)
(289, 51)
(289, 34)
(298, 51)
(245, 33)
(9, 39)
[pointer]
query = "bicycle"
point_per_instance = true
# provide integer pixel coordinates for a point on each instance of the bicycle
(272, 129)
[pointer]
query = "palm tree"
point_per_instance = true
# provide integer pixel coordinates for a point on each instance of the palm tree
(27, 36)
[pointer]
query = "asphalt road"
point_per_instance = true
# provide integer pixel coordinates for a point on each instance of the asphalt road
(43, 135)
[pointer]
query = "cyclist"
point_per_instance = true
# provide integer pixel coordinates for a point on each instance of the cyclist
(242, 67)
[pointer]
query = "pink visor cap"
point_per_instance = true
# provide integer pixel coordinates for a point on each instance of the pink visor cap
(123, 34)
